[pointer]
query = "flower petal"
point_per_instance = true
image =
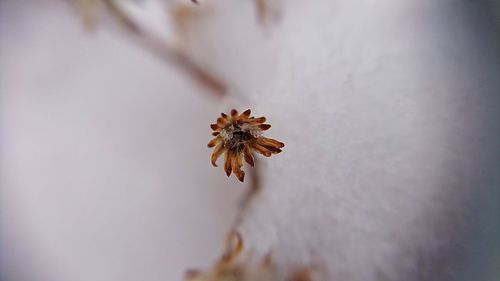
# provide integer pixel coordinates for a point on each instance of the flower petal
(246, 114)
(234, 112)
(248, 155)
(269, 146)
(241, 175)
(214, 141)
(214, 126)
(264, 127)
(260, 149)
(227, 164)
(237, 163)
(221, 122)
(270, 142)
(273, 149)
(217, 153)
(258, 120)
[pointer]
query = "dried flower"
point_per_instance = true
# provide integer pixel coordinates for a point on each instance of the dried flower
(238, 136)
(231, 267)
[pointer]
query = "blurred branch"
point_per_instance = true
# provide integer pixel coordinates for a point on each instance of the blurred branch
(156, 45)
(254, 188)
(262, 8)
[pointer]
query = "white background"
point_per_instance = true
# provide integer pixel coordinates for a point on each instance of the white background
(389, 112)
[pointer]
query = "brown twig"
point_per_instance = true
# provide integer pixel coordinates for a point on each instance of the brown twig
(262, 10)
(167, 53)
(254, 188)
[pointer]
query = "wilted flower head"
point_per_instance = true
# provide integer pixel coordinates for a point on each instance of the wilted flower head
(238, 136)
(233, 267)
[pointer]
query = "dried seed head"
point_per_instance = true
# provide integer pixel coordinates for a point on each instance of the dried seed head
(233, 266)
(238, 136)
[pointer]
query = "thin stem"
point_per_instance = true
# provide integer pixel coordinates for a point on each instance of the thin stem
(167, 53)
(252, 191)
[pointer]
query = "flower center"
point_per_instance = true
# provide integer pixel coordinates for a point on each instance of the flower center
(236, 136)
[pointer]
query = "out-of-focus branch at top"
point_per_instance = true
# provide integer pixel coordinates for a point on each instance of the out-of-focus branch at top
(151, 42)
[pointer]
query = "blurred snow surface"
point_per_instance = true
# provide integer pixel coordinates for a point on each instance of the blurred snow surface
(389, 111)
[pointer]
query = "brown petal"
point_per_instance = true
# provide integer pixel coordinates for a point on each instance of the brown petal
(215, 133)
(214, 142)
(248, 156)
(270, 142)
(217, 153)
(262, 142)
(240, 175)
(264, 127)
(273, 149)
(234, 112)
(214, 126)
(227, 164)
(221, 122)
(237, 163)
(246, 113)
(262, 150)
(258, 120)
(224, 115)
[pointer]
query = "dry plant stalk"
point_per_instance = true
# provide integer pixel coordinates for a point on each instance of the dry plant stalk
(230, 267)
(151, 42)
(262, 7)
(262, 10)
(238, 136)
(267, 12)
